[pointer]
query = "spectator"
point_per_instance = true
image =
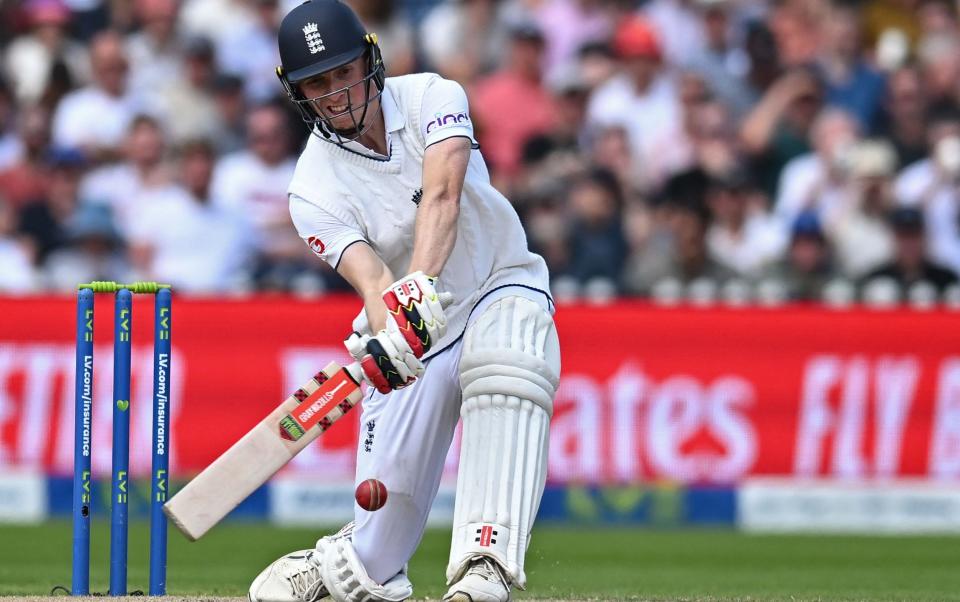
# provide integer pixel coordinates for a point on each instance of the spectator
(642, 98)
(216, 19)
(156, 50)
(464, 39)
(44, 220)
(808, 265)
(31, 58)
(393, 31)
(814, 182)
(87, 18)
(936, 17)
(250, 52)
(933, 186)
(24, 180)
(597, 245)
(743, 237)
(96, 118)
(858, 230)
(187, 240)
(548, 229)
(16, 255)
(777, 129)
(763, 57)
(611, 150)
(939, 59)
(231, 105)
(904, 118)
(549, 160)
(122, 186)
(94, 252)
(910, 263)
(675, 151)
(681, 255)
(11, 147)
(849, 82)
(713, 139)
(723, 65)
(678, 24)
(570, 91)
(512, 105)
(570, 24)
(253, 182)
(795, 25)
(187, 106)
(596, 63)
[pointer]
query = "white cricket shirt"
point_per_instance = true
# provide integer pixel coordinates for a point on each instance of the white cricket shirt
(341, 196)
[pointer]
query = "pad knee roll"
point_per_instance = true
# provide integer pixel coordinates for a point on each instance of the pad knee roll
(512, 349)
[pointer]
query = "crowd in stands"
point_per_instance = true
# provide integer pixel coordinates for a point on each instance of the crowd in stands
(734, 150)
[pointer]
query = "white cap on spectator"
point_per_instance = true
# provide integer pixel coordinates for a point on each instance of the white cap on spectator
(567, 79)
(599, 291)
(307, 285)
(893, 48)
(838, 293)
(951, 297)
(702, 291)
(771, 292)
(565, 289)
(922, 295)
(881, 293)
(736, 292)
(667, 291)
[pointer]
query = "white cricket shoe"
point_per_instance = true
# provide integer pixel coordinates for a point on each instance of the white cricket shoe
(296, 576)
(484, 581)
(293, 578)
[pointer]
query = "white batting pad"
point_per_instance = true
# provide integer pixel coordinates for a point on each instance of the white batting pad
(509, 372)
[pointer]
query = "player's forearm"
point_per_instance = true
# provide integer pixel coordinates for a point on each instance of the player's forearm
(435, 234)
(372, 295)
(369, 276)
(444, 167)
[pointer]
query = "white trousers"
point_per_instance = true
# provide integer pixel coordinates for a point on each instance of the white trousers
(404, 439)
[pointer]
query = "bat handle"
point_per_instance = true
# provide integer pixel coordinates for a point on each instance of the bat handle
(355, 372)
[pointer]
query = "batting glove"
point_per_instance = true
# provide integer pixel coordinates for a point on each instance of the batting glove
(415, 311)
(386, 359)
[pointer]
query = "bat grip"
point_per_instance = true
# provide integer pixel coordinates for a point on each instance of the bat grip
(355, 372)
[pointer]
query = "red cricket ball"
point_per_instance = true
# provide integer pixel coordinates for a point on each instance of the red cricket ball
(371, 495)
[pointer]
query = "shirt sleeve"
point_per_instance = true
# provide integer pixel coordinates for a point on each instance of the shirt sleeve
(445, 112)
(327, 235)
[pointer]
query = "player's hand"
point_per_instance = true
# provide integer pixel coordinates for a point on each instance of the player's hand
(415, 311)
(386, 359)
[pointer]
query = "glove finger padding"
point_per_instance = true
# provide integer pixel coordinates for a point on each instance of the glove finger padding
(416, 311)
(389, 363)
(402, 358)
(356, 345)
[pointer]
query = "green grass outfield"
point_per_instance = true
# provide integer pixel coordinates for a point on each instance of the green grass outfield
(564, 563)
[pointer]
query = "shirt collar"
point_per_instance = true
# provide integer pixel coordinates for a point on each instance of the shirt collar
(393, 118)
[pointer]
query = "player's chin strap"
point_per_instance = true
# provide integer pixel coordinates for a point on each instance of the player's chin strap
(509, 371)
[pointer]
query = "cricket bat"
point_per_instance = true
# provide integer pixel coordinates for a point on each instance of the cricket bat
(252, 460)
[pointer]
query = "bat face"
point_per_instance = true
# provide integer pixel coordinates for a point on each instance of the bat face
(264, 450)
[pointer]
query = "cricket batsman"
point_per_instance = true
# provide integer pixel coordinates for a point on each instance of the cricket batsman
(392, 191)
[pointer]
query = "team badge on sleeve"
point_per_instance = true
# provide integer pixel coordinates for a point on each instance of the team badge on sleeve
(316, 245)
